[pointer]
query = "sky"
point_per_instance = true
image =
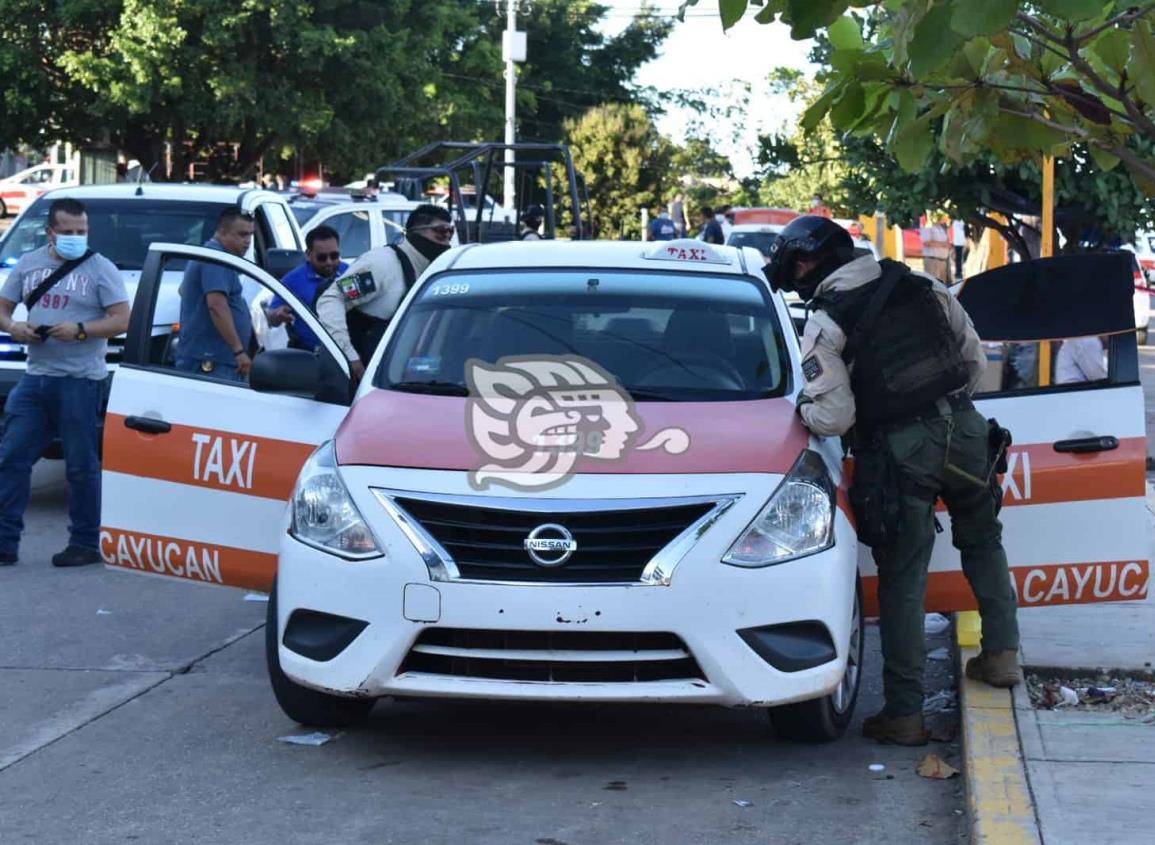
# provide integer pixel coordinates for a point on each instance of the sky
(698, 54)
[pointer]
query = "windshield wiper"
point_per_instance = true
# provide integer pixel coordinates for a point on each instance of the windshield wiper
(436, 388)
(641, 394)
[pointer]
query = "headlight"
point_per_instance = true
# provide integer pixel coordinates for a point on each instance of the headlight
(797, 521)
(324, 515)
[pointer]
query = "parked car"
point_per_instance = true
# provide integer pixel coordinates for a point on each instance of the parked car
(20, 189)
(361, 226)
(125, 220)
(608, 495)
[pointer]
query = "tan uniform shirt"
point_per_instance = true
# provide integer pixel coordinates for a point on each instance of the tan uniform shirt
(826, 379)
(375, 284)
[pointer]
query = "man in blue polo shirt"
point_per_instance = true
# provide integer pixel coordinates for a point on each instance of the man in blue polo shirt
(215, 326)
(323, 262)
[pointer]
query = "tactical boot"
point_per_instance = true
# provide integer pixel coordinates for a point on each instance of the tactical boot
(997, 668)
(896, 730)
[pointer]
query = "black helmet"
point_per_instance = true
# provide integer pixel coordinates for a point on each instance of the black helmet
(809, 236)
(533, 212)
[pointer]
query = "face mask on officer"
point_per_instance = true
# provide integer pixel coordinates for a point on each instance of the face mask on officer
(432, 238)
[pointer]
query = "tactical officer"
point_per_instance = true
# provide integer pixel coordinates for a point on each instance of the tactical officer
(531, 222)
(889, 358)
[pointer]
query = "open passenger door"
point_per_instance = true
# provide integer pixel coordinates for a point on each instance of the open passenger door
(1074, 509)
(198, 467)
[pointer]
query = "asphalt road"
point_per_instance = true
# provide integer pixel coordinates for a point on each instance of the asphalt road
(133, 709)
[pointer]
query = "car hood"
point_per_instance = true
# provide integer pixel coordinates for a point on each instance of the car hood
(390, 428)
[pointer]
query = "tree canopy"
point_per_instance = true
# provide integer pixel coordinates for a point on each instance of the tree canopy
(1006, 78)
(626, 163)
(352, 83)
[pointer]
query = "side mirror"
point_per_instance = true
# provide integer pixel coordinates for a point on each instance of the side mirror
(278, 262)
(310, 375)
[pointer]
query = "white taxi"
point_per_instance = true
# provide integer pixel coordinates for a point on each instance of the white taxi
(573, 471)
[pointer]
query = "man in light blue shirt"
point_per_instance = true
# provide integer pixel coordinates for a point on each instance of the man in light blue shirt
(215, 325)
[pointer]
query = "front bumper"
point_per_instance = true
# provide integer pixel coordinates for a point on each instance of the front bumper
(422, 637)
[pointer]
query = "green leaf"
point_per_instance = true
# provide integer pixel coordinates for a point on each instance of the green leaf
(1142, 179)
(814, 114)
(1023, 134)
(771, 11)
(1141, 66)
(1113, 47)
(933, 43)
(1106, 161)
(976, 51)
(731, 11)
(983, 17)
(809, 16)
(912, 146)
(1072, 10)
(849, 107)
(845, 35)
(846, 60)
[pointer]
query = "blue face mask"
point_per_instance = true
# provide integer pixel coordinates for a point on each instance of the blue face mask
(69, 247)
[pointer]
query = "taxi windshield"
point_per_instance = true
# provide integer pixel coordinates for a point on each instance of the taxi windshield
(119, 229)
(663, 337)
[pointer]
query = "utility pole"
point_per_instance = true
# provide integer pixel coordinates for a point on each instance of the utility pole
(513, 51)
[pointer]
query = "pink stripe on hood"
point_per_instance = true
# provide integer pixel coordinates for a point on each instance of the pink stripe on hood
(390, 428)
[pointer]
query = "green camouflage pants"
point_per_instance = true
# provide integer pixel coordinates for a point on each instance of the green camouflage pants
(937, 454)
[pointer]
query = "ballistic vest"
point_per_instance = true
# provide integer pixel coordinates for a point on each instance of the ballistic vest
(907, 358)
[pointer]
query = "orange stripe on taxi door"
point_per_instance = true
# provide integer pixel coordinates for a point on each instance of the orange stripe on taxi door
(1035, 586)
(206, 563)
(204, 457)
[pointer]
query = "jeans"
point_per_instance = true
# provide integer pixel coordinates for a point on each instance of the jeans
(38, 408)
(932, 453)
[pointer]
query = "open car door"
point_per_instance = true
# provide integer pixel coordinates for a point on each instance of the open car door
(198, 467)
(1074, 518)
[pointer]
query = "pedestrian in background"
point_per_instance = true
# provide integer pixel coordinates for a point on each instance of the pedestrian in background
(958, 241)
(76, 300)
(322, 264)
(677, 210)
(662, 227)
(936, 251)
(711, 231)
(215, 324)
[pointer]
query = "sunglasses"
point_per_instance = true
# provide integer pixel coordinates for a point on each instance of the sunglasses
(327, 256)
(441, 228)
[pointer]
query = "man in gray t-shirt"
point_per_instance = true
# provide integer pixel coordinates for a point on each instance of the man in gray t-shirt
(66, 333)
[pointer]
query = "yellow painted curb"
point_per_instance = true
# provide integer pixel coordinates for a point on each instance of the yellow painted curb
(998, 796)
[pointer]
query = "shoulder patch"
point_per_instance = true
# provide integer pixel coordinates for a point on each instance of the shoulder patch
(356, 285)
(811, 368)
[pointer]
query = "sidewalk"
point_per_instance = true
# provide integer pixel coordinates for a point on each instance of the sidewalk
(1064, 776)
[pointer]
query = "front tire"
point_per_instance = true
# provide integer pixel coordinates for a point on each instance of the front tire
(301, 704)
(3, 210)
(826, 719)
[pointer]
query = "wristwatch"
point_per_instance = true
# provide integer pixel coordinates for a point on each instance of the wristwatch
(81, 334)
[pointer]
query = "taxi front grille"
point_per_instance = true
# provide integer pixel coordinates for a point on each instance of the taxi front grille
(613, 546)
(552, 656)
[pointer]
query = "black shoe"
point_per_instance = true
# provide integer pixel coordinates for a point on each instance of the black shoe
(76, 556)
(8, 558)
